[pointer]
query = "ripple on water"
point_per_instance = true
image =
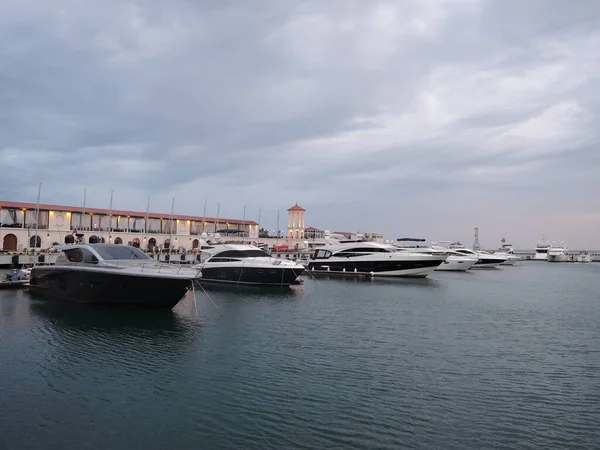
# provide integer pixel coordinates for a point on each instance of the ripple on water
(498, 360)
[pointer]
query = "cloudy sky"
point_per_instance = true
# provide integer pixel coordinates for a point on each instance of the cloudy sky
(407, 117)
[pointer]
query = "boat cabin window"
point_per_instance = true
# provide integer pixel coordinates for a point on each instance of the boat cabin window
(112, 252)
(366, 250)
(242, 254)
(80, 255)
(322, 254)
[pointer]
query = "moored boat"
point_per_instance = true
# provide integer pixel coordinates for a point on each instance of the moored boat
(373, 258)
(246, 265)
(111, 274)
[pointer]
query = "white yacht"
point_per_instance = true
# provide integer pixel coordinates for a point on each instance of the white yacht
(507, 251)
(541, 249)
(558, 253)
(584, 257)
(373, 258)
(452, 263)
(485, 260)
(246, 265)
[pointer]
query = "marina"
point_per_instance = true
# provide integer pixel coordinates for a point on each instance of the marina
(477, 359)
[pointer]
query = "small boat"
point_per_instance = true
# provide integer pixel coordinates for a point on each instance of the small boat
(14, 280)
(584, 257)
(111, 274)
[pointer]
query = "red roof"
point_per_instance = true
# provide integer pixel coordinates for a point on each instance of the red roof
(118, 212)
(312, 229)
(296, 207)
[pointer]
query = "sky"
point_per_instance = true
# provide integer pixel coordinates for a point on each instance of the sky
(411, 118)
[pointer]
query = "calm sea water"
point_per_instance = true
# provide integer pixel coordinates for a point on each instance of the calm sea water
(503, 359)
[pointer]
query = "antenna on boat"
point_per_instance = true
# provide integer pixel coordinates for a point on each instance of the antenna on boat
(37, 219)
(171, 230)
(110, 215)
(146, 223)
(217, 224)
(244, 219)
(204, 217)
(82, 217)
(277, 239)
(259, 211)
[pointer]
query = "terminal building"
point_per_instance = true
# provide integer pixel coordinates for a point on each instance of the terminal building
(19, 230)
(146, 230)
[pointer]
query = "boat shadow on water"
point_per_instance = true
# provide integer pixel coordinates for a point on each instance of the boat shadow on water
(108, 318)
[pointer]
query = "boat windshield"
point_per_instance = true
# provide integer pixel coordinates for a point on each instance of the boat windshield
(253, 253)
(113, 251)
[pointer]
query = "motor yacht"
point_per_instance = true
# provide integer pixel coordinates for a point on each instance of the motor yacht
(373, 258)
(111, 274)
(541, 249)
(246, 264)
(558, 253)
(584, 257)
(452, 263)
(485, 260)
(507, 251)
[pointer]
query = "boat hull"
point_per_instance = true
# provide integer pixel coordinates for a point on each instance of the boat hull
(103, 287)
(452, 264)
(487, 264)
(416, 269)
(256, 276)
(559, 258)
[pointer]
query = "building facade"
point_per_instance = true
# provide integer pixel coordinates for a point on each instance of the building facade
(23, 225)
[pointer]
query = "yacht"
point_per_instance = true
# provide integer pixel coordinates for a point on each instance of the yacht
(584, 257)
(507, 251)
(541, 250)
(485, 260)
(373, 258)
(558, 253)
(111, 274)
(452, 263)
(246, 264)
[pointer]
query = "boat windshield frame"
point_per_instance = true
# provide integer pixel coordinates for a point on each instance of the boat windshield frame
(115, 252)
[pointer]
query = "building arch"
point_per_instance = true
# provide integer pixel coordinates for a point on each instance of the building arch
(118, 240)
(135, 243)
(9, 243)
(151, 243)
(35, 241)
(167, 243)
(195, 244)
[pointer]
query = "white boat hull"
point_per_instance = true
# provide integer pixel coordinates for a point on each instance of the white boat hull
(584, 259)
(456, 264)
(559, 258)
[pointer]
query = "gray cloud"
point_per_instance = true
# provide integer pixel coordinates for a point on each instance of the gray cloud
(426, 117)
